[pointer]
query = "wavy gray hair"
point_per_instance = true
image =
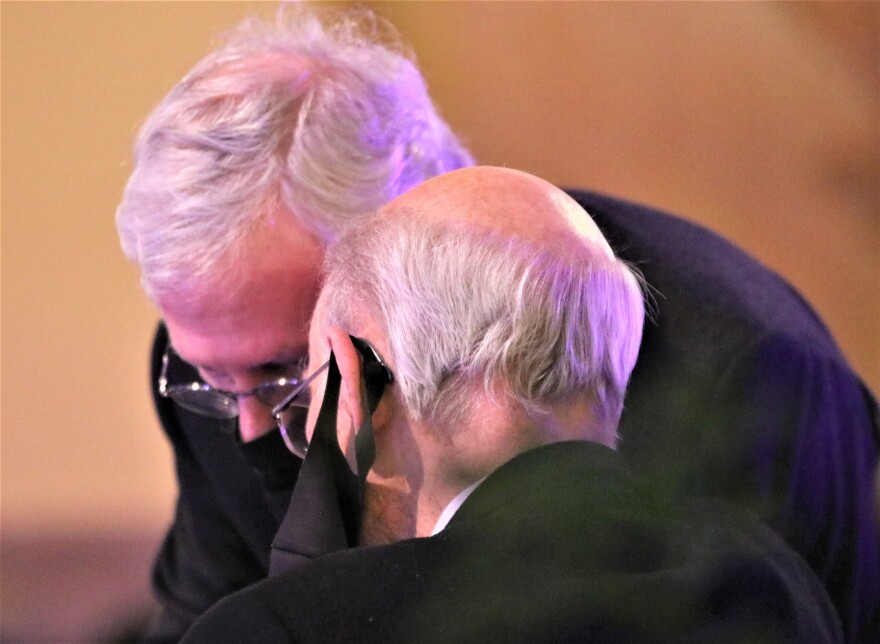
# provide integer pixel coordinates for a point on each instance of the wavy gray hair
(460, 305)
(322, 113)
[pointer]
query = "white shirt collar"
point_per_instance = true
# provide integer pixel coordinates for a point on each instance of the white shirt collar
(450, 510)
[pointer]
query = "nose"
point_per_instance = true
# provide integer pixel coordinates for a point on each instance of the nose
(254, 418)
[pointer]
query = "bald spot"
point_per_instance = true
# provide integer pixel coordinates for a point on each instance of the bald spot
(505, 200)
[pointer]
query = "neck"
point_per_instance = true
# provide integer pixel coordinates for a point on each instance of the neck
(421, 468)
(410, 484)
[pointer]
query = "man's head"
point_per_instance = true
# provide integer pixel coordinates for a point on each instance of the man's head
(504, 315)
(252, 164)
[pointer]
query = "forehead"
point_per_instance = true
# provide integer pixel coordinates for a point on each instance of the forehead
(260, 315)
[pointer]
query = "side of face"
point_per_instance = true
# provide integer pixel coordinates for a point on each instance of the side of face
(241, 335)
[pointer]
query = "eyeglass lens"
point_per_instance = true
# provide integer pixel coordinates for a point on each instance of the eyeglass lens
(205, 402)
(292, 424)
(291, 414)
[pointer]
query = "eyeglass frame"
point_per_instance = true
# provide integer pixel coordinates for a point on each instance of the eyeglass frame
(361, 346)
(167, 391)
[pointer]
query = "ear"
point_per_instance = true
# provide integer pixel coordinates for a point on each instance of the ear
(351, 398)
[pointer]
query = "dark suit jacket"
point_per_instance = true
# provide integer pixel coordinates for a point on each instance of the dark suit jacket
(739, 391)
(558, 545)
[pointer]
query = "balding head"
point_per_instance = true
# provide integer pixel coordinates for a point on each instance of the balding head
(504, 200)
(508, 324)
(494, 279)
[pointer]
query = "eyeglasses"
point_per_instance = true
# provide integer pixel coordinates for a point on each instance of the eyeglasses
(290, 413)
(202, 398)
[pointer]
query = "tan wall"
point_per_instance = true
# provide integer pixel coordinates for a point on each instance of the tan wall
(760, 120)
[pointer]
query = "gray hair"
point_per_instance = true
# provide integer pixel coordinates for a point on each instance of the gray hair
(460, 305)
(321, 113)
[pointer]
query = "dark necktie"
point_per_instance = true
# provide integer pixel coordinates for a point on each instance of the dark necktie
(326, 504)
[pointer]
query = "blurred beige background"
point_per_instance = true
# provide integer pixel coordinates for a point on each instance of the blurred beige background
(760, 120)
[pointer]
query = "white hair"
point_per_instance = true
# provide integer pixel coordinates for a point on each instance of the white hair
(321, 113)
(460, 305)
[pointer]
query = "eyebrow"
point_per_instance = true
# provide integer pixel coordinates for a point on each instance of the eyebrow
(299, 360)
(283, 360)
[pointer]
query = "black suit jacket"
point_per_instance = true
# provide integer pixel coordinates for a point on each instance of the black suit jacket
(739, 391)
(558, 545)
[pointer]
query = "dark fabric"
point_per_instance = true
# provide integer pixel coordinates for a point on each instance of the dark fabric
(231, 500)
(326, 505)
(739, 391)
(327, 502)
(558, 545)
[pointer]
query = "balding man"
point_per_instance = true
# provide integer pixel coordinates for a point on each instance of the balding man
(497, 504)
